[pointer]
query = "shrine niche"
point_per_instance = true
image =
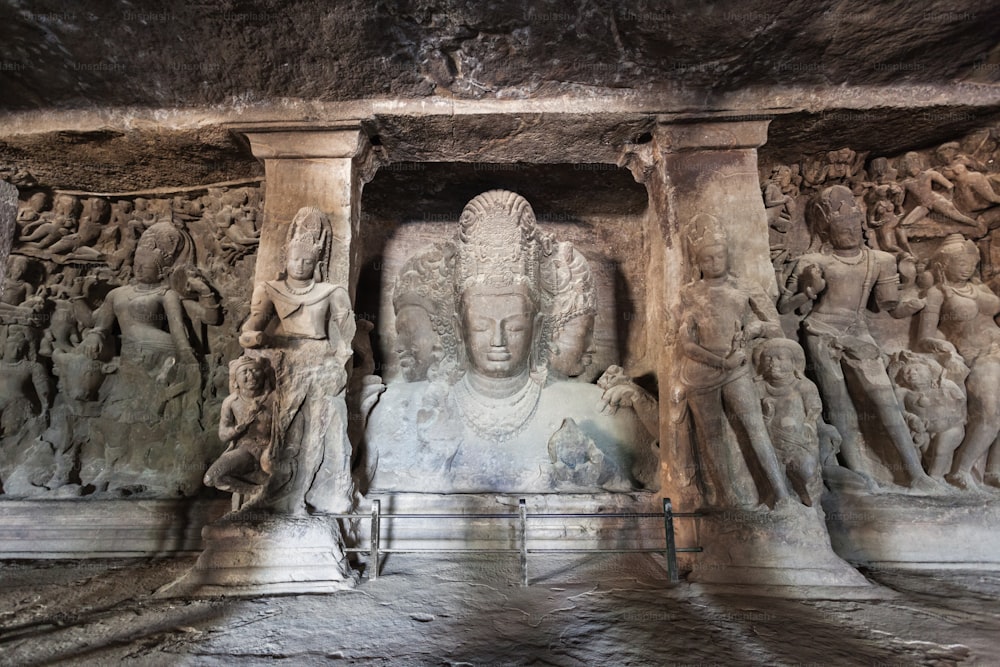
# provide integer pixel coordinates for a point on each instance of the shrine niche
(491, 324)
(119, 318)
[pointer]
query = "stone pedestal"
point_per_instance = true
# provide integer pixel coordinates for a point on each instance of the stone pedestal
(783, 547)
(952, 532)
(247, 556)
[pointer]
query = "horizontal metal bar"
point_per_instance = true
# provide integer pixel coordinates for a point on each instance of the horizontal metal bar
(449, 551)
(658, 550)
(626, 515)
(534, 551)
(450, 516)
(531, 515)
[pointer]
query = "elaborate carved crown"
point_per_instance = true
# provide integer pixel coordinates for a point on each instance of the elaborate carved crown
(425, 281)
(705, 230)
(498, 244)
(310, 230)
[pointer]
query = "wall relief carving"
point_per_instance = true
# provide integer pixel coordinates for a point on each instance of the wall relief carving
(118, 319)
(887, 280)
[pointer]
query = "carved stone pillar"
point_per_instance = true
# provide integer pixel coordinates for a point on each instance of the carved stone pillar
(699, 169)
(287, 539)
(692, 169)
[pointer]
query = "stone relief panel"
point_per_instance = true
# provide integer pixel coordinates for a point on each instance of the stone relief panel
(887, 269)
(494, 328)
(119, 318)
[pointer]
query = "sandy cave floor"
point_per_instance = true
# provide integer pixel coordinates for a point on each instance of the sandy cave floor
(596, 610)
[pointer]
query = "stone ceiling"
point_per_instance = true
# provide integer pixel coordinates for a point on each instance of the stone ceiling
(115, 96)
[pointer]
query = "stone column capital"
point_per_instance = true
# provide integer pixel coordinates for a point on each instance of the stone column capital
(342, 139)
(725, 134)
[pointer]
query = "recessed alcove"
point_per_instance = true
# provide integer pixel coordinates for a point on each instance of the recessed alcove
(598, 207)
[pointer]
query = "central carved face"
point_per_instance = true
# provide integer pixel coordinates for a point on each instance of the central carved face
(16, 348)
(498, 330)
(845, 229)
(250, 378)
(146, 267)
(778, 366)
(918, 376)
(961, 266)
(713, 261)
(301, 263)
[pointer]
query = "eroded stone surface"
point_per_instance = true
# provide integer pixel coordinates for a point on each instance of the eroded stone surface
(600, 610)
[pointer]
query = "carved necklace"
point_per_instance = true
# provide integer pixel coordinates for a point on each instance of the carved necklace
(774, 390)
(299, 291)
(850, 261)
(497, 419)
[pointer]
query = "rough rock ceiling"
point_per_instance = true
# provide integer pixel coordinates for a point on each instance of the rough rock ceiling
(113, 95)
(99, 53)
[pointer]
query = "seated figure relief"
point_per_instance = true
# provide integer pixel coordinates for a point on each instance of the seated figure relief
(491, 418)
(934, 406)
(792, 412)
(246, 426)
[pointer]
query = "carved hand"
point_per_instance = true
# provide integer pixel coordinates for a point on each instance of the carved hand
(92, 345)
(252, 339)
(735, 359)
(619, 396)
(812, 281)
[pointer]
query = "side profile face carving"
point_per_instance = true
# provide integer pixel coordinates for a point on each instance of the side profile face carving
(415, 340)
(572, 346)
(569, 297)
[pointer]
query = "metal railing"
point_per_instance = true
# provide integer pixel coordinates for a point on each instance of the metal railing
(669, 549)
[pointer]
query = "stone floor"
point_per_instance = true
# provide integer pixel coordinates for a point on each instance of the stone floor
(599, 610)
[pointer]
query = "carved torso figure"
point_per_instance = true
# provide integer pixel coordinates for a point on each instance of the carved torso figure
(499, 424)
(837, 285)
(305, 326)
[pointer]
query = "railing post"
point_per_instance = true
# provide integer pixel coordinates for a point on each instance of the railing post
(376, 531)
(523, 539)
(668, 530)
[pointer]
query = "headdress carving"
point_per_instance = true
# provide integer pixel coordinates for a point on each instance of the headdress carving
(567, 286)
(498, 243)
(705, 231)
(834, 201)
(953, 244)
(426, 280)
(310, 231)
